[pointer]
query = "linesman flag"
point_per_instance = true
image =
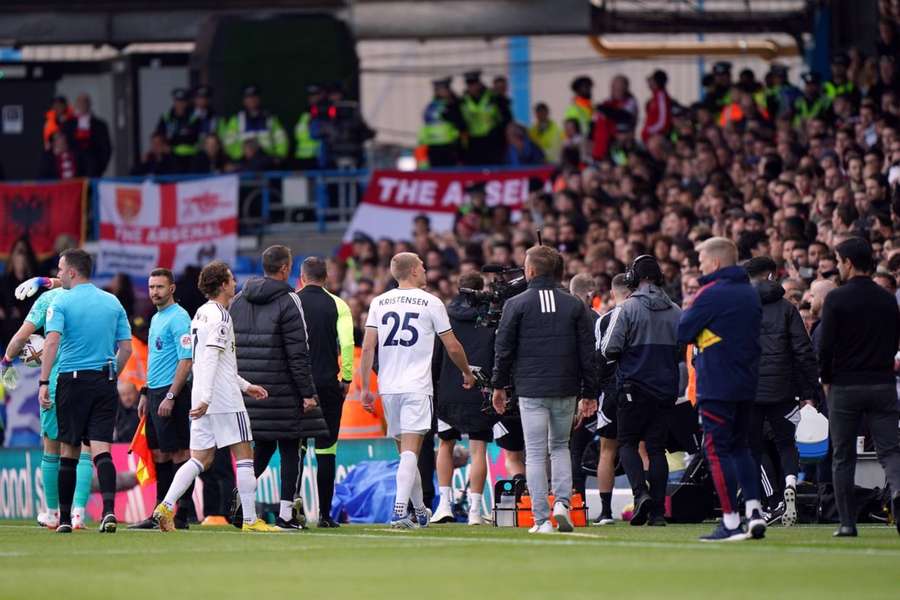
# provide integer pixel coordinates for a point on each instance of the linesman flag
(146, 470)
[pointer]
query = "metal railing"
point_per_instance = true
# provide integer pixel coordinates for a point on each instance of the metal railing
(273, 201)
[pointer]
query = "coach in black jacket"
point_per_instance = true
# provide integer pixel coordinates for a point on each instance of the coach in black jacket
(270, 335)
(787, 359)
(329, 324)
(860, 333)
(545, 336)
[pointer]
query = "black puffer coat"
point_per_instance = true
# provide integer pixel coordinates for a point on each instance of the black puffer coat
(458, 406)
(787, 365)
(272, 351)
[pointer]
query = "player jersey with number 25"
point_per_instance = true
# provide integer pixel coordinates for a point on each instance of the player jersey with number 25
(407, 321)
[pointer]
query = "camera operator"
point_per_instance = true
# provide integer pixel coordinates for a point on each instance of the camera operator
(545, 344)
(459, 411)
(642, 338)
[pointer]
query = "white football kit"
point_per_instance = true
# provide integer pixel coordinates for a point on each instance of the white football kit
(216, 381)
(407, 321)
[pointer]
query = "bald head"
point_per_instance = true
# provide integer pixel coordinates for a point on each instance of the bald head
(408, 270)
(582, 287)
(717, 253)
(818, 290)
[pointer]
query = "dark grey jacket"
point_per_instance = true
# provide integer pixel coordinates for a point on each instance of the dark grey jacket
(545, 344)
(787, 365)
(642, 338)
(272, 351)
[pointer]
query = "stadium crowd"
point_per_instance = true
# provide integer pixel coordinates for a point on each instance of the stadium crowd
(785, 173)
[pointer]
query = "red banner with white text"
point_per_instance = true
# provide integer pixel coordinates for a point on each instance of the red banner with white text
(42, 212)
(394, 198)
(171, 225)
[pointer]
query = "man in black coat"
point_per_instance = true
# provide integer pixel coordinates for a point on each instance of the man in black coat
(860, 331)
(546, 333)
(271, 339)
(89, 136)
(459, 411)
(787, 359)
(330, 327)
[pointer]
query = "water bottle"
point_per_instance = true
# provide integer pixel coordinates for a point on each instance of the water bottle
(505, 513)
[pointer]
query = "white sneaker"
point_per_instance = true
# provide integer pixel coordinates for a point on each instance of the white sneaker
(475, 518)
(563, 521)
(48, 519)
(444, 514)
(545, 527)
(78, 518)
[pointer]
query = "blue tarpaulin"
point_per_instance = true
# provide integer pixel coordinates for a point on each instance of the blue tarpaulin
(366, 495)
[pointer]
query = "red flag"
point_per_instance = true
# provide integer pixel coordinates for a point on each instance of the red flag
(146, 470)
(43, 212)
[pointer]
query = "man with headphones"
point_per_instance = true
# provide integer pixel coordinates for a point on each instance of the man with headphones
(642, 338)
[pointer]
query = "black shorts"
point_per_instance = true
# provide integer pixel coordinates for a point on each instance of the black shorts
(86, 403)
(172, 433)
(514, 441)
(331, 401)
(454, 434)
(607, 418)
(643, 417)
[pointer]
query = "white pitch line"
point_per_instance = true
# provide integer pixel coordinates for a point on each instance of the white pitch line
(571, 539)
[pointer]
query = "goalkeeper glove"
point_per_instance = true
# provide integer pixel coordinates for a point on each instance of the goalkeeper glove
(9, 377)
(31, 287)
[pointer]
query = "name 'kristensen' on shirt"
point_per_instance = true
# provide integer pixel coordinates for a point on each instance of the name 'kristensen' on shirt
(403, 300)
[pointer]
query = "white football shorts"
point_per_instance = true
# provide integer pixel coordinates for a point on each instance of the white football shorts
(220, 430)
(406, 413)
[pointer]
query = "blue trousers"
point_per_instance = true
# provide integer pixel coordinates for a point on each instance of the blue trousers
(726, 442)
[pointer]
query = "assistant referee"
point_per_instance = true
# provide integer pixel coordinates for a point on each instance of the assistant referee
(166, 400)
(95, 345)
(330, 327)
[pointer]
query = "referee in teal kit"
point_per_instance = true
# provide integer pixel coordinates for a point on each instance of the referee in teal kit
(90, 328)
(167, 398)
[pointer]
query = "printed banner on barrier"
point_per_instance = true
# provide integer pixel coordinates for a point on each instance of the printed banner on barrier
(171, 225)
(43, 212)
(394, 198)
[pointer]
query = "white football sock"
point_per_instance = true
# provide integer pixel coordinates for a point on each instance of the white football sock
(751, 506)
(246, 485)
(790, 481)
(416, 495)
(732, 520)
(406, 478)
(183, 479)
(286, 510)
(475, 503)
(446, 493)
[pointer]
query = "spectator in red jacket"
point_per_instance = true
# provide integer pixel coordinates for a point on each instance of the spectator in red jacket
(659, 107)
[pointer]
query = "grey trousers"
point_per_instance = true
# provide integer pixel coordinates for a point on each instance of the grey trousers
(547, 425)
(847, 407)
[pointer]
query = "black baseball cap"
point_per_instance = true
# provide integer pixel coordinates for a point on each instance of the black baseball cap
(472, 76)
(251, 90)
(203, 91)
(722, 67)
(180, 94)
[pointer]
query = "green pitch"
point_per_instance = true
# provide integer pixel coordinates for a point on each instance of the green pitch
(449, 561)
